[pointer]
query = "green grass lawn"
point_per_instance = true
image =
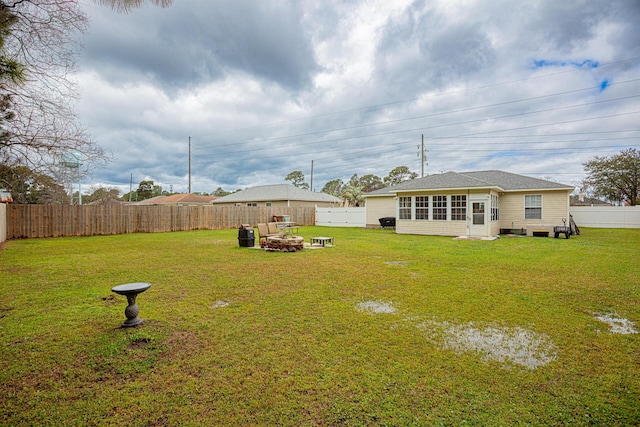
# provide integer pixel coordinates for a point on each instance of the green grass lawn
(382, 329)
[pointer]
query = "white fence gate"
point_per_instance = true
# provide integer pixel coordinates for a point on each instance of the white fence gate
(606, 216)
(341, 217)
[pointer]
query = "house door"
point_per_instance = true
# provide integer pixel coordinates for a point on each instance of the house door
(478, 226)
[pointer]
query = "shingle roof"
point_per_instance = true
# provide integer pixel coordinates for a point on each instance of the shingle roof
(276, 192)
(514, 182)
(107, 201)
(504, 181)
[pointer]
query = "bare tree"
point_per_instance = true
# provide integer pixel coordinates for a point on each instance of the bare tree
(43, 38)
(127, 5)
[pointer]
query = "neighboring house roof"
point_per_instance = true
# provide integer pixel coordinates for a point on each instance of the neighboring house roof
(108, 201)
(186, 198)
(502, 181)
(276, 192)
(587, 201)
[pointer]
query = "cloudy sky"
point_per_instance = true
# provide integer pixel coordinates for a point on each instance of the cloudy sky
(535, 87)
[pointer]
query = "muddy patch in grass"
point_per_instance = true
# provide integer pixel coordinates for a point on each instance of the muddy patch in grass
(376, 307)
(617, 325)
(501, 344)
(139, 343)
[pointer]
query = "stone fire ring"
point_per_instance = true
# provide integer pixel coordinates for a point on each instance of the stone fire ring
(285, 244)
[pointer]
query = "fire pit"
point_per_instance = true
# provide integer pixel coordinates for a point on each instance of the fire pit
(284, 243)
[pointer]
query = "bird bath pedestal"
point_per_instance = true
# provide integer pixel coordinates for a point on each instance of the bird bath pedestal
(131, 291)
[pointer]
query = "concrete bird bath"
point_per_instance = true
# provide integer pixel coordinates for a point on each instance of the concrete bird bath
(131, 291)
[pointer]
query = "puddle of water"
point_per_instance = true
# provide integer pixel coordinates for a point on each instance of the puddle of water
(515, 345)
(618, 325)
(376, 307)
(402, 263)
(219, 304)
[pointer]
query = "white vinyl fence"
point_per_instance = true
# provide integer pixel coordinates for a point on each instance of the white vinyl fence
(606, 216)
(341, 217)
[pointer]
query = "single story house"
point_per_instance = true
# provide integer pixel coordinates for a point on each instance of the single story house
(281, 195)
(483, 204)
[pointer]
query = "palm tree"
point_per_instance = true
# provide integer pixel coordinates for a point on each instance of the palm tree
(127, 5)
(352, 196)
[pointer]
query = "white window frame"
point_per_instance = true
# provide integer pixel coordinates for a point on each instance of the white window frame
(495, 208)
(404, 208)
(530, 207)
(462, 214)
(436, 207)
(422, 212)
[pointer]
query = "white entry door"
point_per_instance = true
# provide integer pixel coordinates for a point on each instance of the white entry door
(478, 219)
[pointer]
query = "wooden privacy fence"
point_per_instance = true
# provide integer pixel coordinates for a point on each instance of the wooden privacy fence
(26, 221)
(3, 222)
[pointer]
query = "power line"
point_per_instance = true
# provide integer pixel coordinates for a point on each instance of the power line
(430, 115)
(363, 154)
(376, 106)
(396, 132)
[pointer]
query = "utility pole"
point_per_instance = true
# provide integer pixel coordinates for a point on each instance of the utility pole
(130, 186)
(189, 190)
(422, 152)
(311, 175)
(423, 156)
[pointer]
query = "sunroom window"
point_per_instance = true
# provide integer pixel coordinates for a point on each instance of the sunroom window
(440, 208)
(458, 208)
(404, 207)
(422, 207)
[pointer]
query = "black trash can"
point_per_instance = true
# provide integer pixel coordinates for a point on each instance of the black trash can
(389, 221)
(246, 236)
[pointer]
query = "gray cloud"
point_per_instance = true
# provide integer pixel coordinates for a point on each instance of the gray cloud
(564, 25)
(626, 37)
(199, 41)
(421, 49)
(456, 52)
(265, 88)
